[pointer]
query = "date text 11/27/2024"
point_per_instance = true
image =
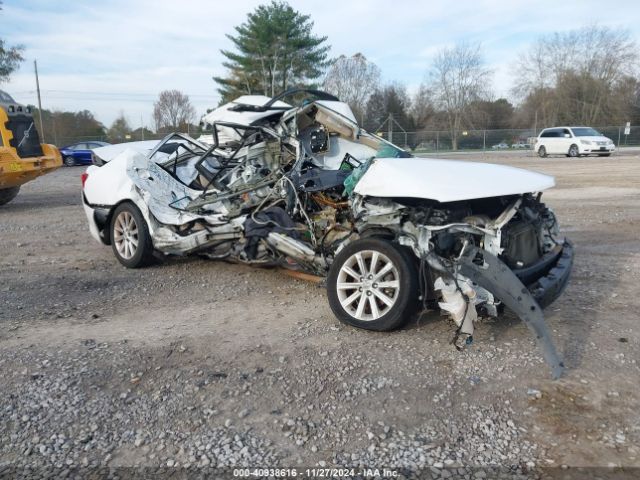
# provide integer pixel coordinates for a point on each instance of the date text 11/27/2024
(315, 473)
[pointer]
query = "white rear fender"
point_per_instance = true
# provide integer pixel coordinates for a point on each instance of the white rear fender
(109, 184)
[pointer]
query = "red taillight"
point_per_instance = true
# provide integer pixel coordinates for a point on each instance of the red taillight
(83, 178)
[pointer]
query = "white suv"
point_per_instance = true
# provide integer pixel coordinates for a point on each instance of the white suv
(573, 142)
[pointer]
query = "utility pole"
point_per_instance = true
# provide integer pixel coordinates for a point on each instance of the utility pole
(535, 132)
(141, 127)
(35, 66)
(53, 124)
(618, 149)
(390, 128)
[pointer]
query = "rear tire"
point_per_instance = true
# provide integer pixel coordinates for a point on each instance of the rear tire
(542, 152)
(70, 161)
(373, 284)
(130, 239)
(8, 194)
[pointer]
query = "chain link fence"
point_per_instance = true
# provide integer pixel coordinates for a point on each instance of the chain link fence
(427, 141)
(487, 140)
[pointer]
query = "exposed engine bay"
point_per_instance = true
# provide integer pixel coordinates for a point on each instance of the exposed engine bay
(305, 188)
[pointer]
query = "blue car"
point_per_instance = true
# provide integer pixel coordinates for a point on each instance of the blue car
(79, 153)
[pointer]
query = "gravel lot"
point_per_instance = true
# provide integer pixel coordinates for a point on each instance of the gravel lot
(194, 364)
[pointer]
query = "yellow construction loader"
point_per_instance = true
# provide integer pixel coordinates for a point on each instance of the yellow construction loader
(22, 156)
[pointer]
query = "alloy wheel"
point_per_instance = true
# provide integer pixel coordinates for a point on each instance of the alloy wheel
(125, 235)
(368, 285)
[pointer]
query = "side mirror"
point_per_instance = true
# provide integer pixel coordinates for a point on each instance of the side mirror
(566, 135)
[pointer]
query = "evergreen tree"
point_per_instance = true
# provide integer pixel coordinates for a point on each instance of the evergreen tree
(275, 50)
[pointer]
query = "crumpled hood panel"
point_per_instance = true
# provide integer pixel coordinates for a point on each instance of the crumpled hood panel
(447, 180)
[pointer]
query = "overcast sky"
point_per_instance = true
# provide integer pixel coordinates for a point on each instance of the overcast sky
(109, 56)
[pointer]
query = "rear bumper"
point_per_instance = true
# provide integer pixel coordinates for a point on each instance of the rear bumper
(98, 219)
(547, 279)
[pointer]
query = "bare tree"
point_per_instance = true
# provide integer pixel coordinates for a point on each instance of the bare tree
(572, 76)
(422, 108)
(353, 80)
(172, 111)
(457, 78)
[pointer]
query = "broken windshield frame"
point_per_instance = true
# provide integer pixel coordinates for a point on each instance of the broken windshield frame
(389, 150)
(190, 145)
(227, 163)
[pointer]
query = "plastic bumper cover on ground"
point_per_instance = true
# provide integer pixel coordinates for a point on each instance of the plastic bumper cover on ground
(555, 275)
(552, 273)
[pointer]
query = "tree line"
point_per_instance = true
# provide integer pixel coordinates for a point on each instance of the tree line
(172, 112)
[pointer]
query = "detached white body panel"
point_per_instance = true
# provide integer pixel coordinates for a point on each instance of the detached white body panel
(447, 180)
(226, 112)
(109, 152)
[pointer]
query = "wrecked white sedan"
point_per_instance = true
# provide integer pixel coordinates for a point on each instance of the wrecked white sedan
(305, 188)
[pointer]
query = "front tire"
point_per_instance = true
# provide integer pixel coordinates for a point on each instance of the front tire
(373, 284)
(130, 239)
(574, 151)
(542, 152)
(8, 194)
(70, 161)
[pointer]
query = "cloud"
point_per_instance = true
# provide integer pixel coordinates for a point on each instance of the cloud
(117, 55)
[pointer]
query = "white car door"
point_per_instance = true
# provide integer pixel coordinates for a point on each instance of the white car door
(565, 141)
(542, 141)
(551, 140)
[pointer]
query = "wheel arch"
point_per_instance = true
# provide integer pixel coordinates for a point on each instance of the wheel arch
(381, 233)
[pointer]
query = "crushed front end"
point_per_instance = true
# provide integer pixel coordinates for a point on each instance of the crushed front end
(478, 256)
